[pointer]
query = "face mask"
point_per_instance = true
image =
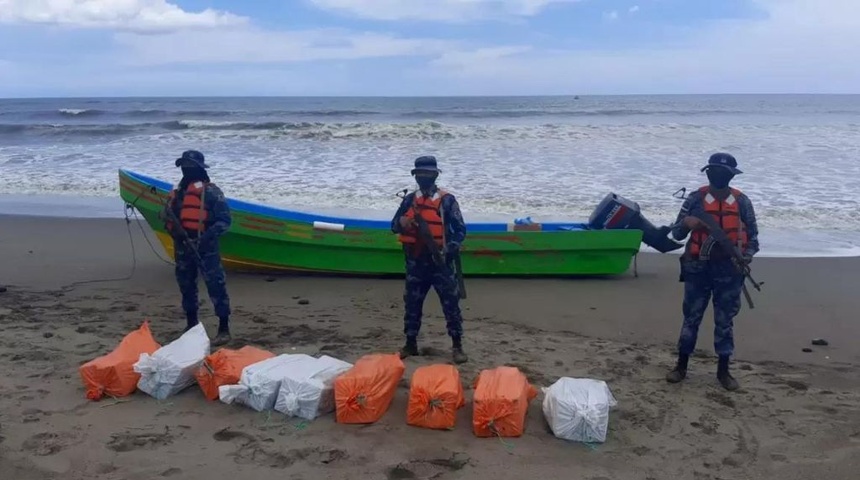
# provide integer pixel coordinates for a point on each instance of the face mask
(424, 182)
(193, 174)
(719, 177)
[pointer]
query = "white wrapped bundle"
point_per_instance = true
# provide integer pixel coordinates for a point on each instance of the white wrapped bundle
(577, 409)
(258, 387)
(308, 392)
(171, 368)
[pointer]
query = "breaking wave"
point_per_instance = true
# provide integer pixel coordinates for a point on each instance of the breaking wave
(300, 130)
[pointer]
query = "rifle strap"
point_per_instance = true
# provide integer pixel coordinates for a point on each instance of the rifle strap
(202, 210)
(444, 230)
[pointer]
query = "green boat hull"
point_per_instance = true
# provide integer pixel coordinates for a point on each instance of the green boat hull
(273, 240)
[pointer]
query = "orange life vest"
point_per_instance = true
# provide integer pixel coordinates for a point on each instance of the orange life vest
(430, 208)
(192, 212)
(727, 214)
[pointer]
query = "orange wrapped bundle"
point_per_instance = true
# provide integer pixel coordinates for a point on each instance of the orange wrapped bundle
(112, 374)
(501, 401)
(434, 397)
(225, 366)
(364, 393)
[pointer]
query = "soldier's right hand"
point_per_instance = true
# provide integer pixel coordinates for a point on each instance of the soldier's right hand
(406, 223)
(693, 223)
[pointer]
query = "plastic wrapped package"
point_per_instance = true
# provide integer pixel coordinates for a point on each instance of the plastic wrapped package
(259, 383)
(364, 393)
(501, 401)
(308, 392)
(577, 409)
(225, 366)
(171, 368)
(435, 395)
(113, 374)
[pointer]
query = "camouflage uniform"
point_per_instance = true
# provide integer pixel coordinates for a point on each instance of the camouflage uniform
(717, 278)
(422, 273)
(707, 270)
(218, 222)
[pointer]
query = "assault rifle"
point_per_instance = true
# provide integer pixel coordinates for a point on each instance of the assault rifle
(439, 257)
(186, 239)
(717, 236)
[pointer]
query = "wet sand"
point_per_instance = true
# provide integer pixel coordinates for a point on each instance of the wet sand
(797, 415)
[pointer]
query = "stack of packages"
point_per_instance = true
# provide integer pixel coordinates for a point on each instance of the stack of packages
(501, 401)
(260, 383)
(364, 393)
(171, 368)
(225, 366)
(307, 391)
(577, 409)
(435, 395)
(113, 374)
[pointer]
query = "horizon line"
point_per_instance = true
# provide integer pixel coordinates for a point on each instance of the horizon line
(430, 96)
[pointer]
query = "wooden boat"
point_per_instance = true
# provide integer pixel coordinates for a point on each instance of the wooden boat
(270, 239)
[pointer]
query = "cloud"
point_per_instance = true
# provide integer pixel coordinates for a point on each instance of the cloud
(457, 59)
(633, 9)
(799, 46)
(437, 10)
(132, 15)
(252, 45)
(613, 15)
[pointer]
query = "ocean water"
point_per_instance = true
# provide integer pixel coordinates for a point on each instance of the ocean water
(550, 158)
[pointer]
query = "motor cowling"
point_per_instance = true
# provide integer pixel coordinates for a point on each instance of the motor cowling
(615, 212)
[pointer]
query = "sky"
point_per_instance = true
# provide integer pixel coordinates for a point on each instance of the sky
(55, 48)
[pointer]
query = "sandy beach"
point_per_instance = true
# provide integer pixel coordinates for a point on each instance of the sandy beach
(797, 415)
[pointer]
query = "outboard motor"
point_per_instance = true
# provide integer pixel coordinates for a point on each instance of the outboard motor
(618, 213)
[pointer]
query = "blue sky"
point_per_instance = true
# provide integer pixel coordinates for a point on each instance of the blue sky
(426, 47)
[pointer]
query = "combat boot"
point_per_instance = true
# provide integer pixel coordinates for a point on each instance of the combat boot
(457, 353)
(680, 371)
(223, 336)
(190, 321)
(410, 349)
(726, 379)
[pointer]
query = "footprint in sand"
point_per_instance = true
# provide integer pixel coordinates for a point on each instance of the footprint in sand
(127, 442)
(707, 424)
(227, 435)
(721, 398)
(800, 386)
(251, 451)
(428, 469)
(106, 468)
(45, 444)
(256, 454)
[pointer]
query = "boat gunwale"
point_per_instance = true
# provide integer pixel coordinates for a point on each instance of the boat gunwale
(250, 208)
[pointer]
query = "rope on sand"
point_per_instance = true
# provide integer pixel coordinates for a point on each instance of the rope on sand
(129, 207)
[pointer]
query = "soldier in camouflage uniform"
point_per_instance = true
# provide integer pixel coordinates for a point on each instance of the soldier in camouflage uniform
(706, 274)
(442, 214)
(200, 215)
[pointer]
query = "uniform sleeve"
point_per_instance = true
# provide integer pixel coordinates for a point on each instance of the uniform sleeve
(404, 205)
(221, 218)
(748, 217)
(454, 223)
(679, 231)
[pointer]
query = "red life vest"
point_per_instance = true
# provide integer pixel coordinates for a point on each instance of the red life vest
(430, 209)
(192, 212)
(727, 214)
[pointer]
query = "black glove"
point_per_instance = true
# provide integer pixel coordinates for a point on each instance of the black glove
(207, 237)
